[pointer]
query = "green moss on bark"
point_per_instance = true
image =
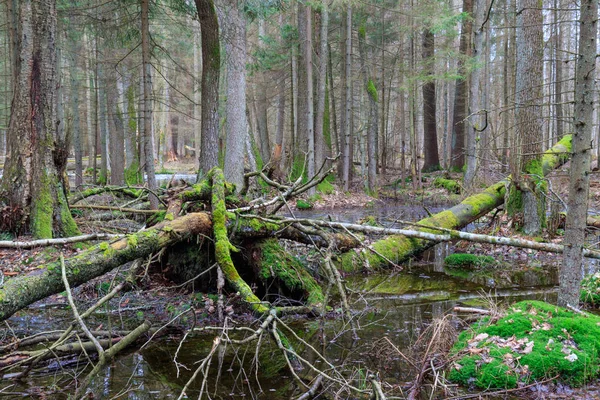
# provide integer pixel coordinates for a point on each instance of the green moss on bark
(276, 262)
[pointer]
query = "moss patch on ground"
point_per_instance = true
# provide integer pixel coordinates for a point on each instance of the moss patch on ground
(468, 261)
(534, 341)
(303, 204)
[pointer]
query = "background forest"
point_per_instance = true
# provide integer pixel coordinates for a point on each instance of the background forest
(400, 87)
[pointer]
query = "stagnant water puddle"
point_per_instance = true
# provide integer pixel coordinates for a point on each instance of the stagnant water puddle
(395, 307)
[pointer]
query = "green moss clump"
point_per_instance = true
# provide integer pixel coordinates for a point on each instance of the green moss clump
(132, 240)
(276, 263)
(372, 90)
(303, 204)
(535, 340)
(590, 289)
(325, 187)
(450, 185)
(465, 260)
(133, 174)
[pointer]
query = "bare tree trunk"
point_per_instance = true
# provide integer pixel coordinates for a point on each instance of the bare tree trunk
(102, 127)
(234, 29)
(117, 140)
(347, 102)
(528, 99)
(460, 96)
(372, 121)
(571, 270)
(430, 145)
(77, 145)
(476, 111)
(307, 51)
(320, 145)
(147, 136)
(262, 103)
(211, 63)
(197, 99)
(91, 135)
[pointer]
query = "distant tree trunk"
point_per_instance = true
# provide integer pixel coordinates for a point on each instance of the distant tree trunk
(302, 150)
(333, 114)
(211, 63)
(307, 51)
(31, 183)
(558, 55)
(147, 136)
(526, 193)
(430, 145)
(77, 145)
(197, 99)
(117, 139)
(91, 135)
(460, 96)
(102, 127)
(277, 158)
(372, 121)
(346, 131)
(262, 102)
(234, 29)
(579, 184)
(320, 141)
(477, 118)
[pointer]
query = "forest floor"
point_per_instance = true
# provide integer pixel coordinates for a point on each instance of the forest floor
(157, 288)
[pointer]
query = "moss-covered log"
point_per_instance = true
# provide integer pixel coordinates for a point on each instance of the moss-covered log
(398, 248)
(20, 292)
(273, 263)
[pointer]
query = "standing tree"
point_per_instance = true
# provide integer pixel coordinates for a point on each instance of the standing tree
(211, 62)
(579, 184)
(234, 35)
(32, 183)
(526, 168)
(430, 145)
(147, 136)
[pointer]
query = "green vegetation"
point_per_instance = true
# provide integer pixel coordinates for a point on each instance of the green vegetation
(450, 185)
(534, 341)
(465, 260)
(276, 262)
(303, 204)
(590, 289)
(325, 187)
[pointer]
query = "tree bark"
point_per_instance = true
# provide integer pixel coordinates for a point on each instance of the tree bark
(346, 124)
(31, 182)
(211, 63)
(527, 194)
(320, 141)
(461, 95)
(147, 136)
(234, 30)
(571, 270)
(430, 145)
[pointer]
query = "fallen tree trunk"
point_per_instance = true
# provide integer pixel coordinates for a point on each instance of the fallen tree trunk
(398, 248)
(20, 292)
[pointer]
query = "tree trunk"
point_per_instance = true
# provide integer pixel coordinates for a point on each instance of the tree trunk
(571, 270)
(346, 131)
(102, 127)
(262, 102)
(197, 99)
(77, 143)
(320, 140)
(526, 194)
(476, 110)
(147, 136)
(430, 145)
(31, 182)
(117, 139)
(460, 95)
(211, 63)
(234, 29)
(372, 122)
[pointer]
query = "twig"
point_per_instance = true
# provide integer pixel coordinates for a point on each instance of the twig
(51, 242)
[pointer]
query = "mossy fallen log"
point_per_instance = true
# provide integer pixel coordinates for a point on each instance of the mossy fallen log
(20, 292)
(398, 248)
(272, 262)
